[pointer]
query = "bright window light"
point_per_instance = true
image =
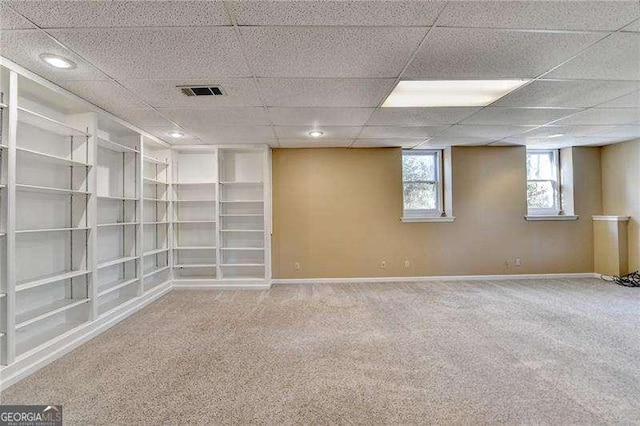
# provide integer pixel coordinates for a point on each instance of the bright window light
(450, 93)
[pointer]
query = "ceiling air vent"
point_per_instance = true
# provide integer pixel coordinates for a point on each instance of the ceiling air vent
(201, 90)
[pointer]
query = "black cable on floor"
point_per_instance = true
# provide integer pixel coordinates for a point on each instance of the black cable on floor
(630, 280)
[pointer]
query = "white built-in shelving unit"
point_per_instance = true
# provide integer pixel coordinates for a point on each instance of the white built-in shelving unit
(156, 190)
(119, 215)
(99, 218)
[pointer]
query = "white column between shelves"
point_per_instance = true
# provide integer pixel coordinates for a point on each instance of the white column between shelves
(11, 217)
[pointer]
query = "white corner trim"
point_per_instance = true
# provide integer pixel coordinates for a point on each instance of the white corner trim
(551, 217)
(428, 219)
(425, 279)
(610, 218)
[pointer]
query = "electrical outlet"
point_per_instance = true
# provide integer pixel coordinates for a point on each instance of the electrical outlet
(406, 264)
(383, 264)
(518, 262)
(296, 266)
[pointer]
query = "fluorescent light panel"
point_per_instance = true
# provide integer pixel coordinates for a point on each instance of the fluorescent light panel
(450, 93)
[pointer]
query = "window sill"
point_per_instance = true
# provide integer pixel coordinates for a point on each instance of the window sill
(551, 218)
(428, 219)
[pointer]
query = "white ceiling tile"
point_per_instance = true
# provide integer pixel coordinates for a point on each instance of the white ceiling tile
(103, 93)
(321, 92)
(166, 94)
(547, 15)
(235, 134)
(159, 53)
(486, 132)
(225, 116)
(319, 116)
(567, 93)
(163, 134)
(391, 142)
(632, 100)
(517, 116)
(386, 132)
(419, 116)
(9, 20)
(565, 131)
(331, 13)
(627, 131)
(24, 47)
(561, 142)
(487, 53)
(77, 14)
(634, 27)
(444, 141)
(329, 132)
(313, 143)
(615, 58)
(603, 116)
(329, 52)
(142, 117)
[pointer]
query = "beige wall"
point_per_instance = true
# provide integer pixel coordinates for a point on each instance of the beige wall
(337, 212)
(621, 190)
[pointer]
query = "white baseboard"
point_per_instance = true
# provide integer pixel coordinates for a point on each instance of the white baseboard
(33, 361)
(207, 284)
(366, 280)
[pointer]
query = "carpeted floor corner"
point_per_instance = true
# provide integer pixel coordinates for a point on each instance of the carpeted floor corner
(531, 351)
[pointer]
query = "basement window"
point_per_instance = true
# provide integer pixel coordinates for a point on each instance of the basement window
(423, 186)
(550, 184)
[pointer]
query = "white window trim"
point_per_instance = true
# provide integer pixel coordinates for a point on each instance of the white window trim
(557, 209)
(444, 192)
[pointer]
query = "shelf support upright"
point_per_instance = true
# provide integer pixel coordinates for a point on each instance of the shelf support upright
(140, 213)
(11, 217)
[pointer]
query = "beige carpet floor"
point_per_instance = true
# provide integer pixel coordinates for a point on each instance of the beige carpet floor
(557, 351)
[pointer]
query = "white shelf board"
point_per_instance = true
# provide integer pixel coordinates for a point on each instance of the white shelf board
(46, 123)
(155, 161)
(162, 222)
(155, 200)
(3, 295)
(27, 318)
(35, 231)
(234, 265)
(108, 306)
(33, 342)
(114, 146)
(155, 251)
(242, 215)
(3, 105)
(154, 181)
(112, 286)
(155, 271)
(195, 248)
(48, 189)
(194, 201)
(242, 248)
(116, 198)
(241, 201)
(193, 221)
(106, 225)
(49, 279)
(196, 265)
(241, 183)
(242, 230)
(53, 159)
(194, 183)
(116, 261)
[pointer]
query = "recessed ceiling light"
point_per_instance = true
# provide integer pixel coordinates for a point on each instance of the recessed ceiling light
(57, 61)
(315, 133)
(176, 134)
(557, 135)
(450, 93)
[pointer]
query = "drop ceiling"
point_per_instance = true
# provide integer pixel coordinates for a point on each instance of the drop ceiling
(291, 67)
